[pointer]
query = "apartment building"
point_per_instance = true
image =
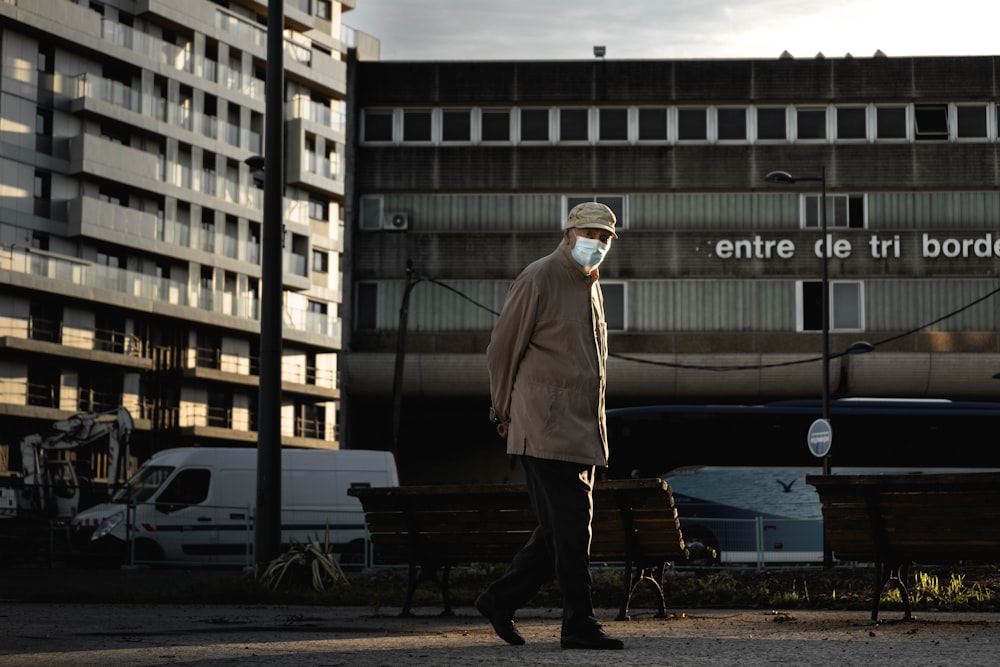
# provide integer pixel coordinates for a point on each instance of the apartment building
(463, 172)
(131, 223)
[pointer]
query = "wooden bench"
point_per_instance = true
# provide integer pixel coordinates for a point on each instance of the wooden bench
(894, 521)
(434, 528)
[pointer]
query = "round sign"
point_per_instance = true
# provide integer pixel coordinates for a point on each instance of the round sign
(820, 438)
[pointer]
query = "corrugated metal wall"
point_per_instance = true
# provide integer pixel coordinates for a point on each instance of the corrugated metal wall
(900, 305)
(697, 211)
(664, 306)
(934, 210)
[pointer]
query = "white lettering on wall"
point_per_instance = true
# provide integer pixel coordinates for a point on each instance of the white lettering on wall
(984, 246)
(755, 248)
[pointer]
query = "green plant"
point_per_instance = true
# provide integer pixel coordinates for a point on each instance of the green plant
(315, 557)
(927, 589)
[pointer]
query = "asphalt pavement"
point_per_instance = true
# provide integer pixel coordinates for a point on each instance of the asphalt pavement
(53, 634)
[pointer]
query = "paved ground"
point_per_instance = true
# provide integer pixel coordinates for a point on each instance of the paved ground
(55, 634)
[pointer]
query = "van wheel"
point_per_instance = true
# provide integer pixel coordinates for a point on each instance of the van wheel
(702, 545)
(148, 552)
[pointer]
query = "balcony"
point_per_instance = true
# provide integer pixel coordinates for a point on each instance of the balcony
(65, 276)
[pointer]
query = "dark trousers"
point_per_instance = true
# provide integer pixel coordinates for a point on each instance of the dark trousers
(561, 495)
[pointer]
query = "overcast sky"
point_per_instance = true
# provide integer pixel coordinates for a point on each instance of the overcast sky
(675, 29)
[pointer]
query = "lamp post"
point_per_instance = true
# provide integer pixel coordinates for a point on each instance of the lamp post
(267, 539)
(785, 177)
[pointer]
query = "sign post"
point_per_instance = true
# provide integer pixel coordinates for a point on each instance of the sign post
(820, 439)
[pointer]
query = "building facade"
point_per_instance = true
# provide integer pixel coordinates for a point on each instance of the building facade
(130, 221)
(462, 172)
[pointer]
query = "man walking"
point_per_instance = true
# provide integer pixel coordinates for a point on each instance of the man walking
(547, 358)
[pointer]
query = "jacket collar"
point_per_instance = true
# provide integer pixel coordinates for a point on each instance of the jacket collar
(565, 256)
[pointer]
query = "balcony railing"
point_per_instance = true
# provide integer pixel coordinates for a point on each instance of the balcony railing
(93, 276)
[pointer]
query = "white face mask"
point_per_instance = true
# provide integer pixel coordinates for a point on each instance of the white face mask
(589, 253)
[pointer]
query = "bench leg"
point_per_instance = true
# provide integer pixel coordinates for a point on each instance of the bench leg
(411, 588)
(654, 577)
(445, 596)
(427, 572)
(896, 574)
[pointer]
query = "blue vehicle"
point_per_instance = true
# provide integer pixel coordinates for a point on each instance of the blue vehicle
(757, 515)
(748, 515)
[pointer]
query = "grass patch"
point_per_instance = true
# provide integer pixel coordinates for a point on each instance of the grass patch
(971, 588)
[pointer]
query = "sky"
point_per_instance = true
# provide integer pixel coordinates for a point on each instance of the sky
(675, 29)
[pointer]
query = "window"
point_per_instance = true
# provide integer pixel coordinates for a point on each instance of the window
(652, 124)
(189, 487)
(378, 125)
(495, 125)
(416, 125)
(320, 261)
(322, 9)
(43, 122)
(930, 122)
(971, 121)
(44, 322)
(615, 203)
(534, 124)
(844, 211)
(845, 306)
(732, 123)
(613, 124)
(371, 213)
(614, 305)
(46, 58)
(44, 384)
(456, 125)
(811, 123)
(692, 125)
(771, 123)
(207, 230)
(890, 122)
(319, 208)
(366, 317)
(851, 123)
(43, 185)
(573, 125)
(220, 411)
(111, 258)
(311, 421)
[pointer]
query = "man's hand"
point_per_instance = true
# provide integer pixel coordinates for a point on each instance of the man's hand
(502, 428)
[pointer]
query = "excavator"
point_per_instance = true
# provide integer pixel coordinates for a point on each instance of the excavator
(50, 486)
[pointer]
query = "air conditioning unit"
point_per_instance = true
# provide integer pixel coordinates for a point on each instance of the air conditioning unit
(396, 222)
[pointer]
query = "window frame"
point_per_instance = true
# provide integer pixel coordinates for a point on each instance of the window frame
(804, 318)
(548, 125)
(611, 286)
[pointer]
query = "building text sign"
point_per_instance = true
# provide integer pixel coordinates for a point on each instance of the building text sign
(877, 246)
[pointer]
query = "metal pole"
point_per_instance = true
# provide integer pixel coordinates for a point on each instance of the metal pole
(825, 301)
(267, 536)
(397, 382)
(825, 305)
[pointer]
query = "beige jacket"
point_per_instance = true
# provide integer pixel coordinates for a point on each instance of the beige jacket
(547, 360)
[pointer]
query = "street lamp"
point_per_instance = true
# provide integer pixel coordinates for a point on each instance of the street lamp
(785, 177)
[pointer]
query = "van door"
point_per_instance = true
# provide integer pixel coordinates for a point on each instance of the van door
(184, 526)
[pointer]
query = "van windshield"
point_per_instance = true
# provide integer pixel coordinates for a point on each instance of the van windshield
(143, 484)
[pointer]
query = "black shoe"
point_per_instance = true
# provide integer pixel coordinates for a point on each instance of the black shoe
(592, 639)
(502, 623)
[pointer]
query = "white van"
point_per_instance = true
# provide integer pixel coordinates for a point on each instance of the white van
(196, 505)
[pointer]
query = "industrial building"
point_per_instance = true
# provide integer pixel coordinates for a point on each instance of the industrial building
(464, 171)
